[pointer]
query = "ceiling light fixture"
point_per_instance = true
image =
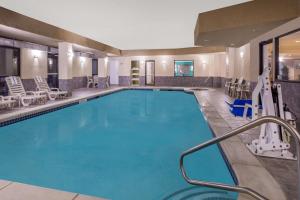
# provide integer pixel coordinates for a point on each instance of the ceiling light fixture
(280, 59)
(297, 41)
(242, 54)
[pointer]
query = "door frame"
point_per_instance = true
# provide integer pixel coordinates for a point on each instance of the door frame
(261, 54)
(146, 72)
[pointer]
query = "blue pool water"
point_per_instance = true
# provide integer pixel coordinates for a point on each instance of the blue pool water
(121, 146)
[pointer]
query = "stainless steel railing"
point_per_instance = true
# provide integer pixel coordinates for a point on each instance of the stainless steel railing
(250, 125)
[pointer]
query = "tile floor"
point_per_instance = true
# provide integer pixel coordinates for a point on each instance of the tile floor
(284, 171)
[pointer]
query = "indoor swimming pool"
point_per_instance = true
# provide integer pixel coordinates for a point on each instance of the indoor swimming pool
(124, 145)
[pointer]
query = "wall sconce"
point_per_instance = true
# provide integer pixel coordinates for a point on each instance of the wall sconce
(50, 61)
(227, 60)
(82, 60)
(106, 60)
(242, 54)
(142, 62)
(36, 54)
(70, 54)
(280, 59)
(164, 63)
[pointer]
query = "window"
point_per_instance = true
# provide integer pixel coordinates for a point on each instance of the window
(53, 70)
(184, 68)
(9, 65)
(9, 61)
(288, 57)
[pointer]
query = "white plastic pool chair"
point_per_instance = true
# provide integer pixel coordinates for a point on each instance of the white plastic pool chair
(52, 93)
(90, 82)
(17, 91)
(6, 102)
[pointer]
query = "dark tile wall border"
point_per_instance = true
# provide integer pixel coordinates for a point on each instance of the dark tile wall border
(102, 82)
(124, 80)
(79, 82)
(188, 81)
(215, 82)
(66, 85)
(142, 81)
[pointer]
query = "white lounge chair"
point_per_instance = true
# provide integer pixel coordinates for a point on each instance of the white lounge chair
(6, 102)
(52, 93)
(17, 91)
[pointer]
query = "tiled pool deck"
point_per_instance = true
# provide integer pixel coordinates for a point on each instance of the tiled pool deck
(268, 176)
(251, 171)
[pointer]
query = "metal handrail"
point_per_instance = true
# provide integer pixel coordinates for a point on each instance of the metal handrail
(250, 125)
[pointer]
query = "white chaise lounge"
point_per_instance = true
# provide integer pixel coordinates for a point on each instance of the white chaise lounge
(52, 93)
(6, 102)
(17, 91)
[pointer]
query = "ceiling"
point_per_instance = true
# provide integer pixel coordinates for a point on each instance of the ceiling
(124, 24)
(238, 24)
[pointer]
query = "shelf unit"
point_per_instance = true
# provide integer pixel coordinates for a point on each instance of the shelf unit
(135, 72)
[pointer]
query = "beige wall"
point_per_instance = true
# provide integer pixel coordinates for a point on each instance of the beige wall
(33, 63)
(254, 44)
(103, 67)
(213, 64)
(248, 66)
(82, 66)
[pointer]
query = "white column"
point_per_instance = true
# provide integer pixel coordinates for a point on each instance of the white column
(65, 66)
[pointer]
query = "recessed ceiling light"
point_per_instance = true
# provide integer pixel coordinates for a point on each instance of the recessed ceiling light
(231, 44)
(206, 40)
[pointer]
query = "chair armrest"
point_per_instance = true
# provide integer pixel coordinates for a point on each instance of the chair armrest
(8, 98)
(30, 92)
(35, 93)
(55, 89)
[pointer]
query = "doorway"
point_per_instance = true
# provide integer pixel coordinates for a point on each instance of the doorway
(150, 72)
(52, 70)
(95, 67)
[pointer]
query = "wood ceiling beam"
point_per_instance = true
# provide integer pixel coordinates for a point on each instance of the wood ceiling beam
(15, 20)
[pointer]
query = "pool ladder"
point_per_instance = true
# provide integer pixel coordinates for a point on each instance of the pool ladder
(248, 126)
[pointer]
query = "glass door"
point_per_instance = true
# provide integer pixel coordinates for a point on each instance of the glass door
(150, 72)
(53, 70)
